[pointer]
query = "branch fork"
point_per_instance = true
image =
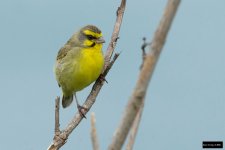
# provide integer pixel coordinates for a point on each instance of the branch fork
(60, 137)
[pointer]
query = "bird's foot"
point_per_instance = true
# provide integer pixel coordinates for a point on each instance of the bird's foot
(81, 110)
(102, 78)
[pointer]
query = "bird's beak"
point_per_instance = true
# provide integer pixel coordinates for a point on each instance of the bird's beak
(100, 40)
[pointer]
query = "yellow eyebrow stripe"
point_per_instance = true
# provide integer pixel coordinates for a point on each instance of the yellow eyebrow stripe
(88, 32)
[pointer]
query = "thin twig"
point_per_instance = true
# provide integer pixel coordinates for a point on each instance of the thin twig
(94, 137)
(57, 130)
(134, 129)
(137, 120)
(111, 63)
(145, 75)
(57, 138)
(135, 125)
(116, 30)
(144, 45)
(64, 134)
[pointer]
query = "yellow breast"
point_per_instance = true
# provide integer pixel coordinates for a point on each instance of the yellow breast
(90, 67)
(79, 68)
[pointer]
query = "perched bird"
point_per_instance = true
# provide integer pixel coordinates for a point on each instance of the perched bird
(79, 63)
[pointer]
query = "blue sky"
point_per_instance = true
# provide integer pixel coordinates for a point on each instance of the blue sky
(185, 103)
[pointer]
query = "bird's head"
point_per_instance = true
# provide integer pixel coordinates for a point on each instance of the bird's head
(91, 36)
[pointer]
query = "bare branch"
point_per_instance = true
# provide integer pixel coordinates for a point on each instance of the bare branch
(146, 72)
(94, 137)
(116, 30)
(134, 129)
(60, 140)
(57, 115)
(137, 120)
(143, 48)
(144, 45)
(57, 138)
(111, 63)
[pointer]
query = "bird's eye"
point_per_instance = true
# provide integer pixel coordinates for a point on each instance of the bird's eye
(90, 37)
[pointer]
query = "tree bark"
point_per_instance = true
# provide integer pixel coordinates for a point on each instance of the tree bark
(138, 95)
(60, 138)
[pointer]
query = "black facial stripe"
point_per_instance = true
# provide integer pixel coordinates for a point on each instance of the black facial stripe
(93, 44)
(90, 37)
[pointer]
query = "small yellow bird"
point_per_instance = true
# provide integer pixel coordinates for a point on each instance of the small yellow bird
(79, 63)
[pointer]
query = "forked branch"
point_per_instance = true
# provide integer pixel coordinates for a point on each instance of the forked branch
(60, 139)
(138, 95)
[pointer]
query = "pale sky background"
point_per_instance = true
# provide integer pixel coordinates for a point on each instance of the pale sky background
(185, 103)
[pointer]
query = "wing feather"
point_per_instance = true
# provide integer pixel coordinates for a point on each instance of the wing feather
(71, 44)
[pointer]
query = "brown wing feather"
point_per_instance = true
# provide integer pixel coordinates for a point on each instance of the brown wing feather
(63, 51)
(71, 43)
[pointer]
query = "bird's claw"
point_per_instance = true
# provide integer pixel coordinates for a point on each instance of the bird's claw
(81, 110)
(102, 78)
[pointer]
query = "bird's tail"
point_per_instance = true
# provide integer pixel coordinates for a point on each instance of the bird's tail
(67, 100)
